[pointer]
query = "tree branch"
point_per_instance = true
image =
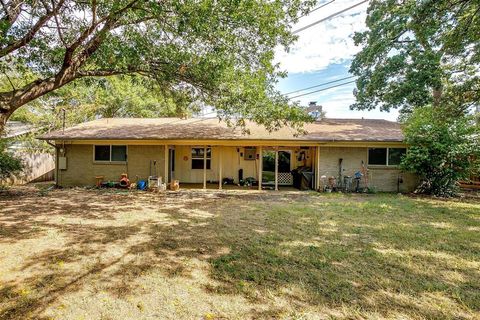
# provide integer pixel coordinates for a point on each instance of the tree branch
(70, 70)
(9, 80)
(60, 34)
(31, 33)
(94, 12)
(118, 12)
(101, 73)
(109, 23)
(12, 12)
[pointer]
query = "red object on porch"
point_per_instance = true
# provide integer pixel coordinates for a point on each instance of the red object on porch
(124, 182)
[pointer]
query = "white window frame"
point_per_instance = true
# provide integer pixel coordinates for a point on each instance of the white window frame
(386, 160)
(208, 158)
(388, 156)
(110, 161)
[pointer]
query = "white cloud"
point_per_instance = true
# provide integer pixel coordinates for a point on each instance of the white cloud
(327, 42)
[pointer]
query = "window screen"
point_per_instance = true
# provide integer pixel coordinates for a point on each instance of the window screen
(395, 156)
(377, 156)
(197, 158)
(102, 153)
(119, 153)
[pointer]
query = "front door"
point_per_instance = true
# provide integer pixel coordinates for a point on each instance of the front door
(284, 167)
(285, 177)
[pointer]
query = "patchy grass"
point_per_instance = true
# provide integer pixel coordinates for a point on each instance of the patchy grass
(78, 254)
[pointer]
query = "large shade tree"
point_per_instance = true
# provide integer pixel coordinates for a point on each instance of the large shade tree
(417, 53)
(219, 52)
(423, 57)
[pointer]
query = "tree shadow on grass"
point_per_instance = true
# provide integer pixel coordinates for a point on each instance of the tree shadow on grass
(351, 264)
(49, 288)
(68, 238)
(384, 257)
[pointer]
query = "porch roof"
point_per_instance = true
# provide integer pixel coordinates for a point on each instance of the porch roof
(213, 129)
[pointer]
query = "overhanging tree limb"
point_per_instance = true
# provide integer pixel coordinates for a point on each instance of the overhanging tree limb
(9, 48)
(223, 50)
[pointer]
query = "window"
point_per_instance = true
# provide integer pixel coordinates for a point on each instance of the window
(102, 153)
(385, 156)
(395, 156)
(197, 158)
(377, 156)
(110, 153)
(119, 153)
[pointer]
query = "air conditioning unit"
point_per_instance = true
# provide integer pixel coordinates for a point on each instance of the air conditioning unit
(250, 153)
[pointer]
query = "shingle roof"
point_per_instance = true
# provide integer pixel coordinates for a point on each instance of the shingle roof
(213, 129)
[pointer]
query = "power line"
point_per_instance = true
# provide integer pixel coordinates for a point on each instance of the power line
(323, 89)
(318, 85)
(201, 118)
(315, 9)
(329, 17)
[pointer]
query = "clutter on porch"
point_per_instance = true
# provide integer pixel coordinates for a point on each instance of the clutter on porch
(152, 183)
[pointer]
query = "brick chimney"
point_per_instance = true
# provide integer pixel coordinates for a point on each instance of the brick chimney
(314, 110)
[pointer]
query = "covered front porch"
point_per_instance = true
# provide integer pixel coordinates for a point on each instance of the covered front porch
(250, 167)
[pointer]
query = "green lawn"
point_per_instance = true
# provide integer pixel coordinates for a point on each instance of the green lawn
(382, 255)
(233, 255)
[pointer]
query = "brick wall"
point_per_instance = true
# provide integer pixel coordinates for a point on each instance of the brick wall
(82, 170)
(382, 178)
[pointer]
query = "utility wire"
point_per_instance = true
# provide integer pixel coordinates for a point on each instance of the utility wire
(323, 89)
(318, 85)
(315, 9)
(329, 17)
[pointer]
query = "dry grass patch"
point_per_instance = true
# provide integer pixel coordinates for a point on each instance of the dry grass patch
(79, 254)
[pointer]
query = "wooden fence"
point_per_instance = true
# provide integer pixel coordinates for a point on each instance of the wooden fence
(39, 167)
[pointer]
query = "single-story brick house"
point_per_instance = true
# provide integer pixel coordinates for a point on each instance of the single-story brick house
(206, 151)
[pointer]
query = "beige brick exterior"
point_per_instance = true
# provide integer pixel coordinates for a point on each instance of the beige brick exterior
(352, 160)
(381, 178)
(82, 169)
(385, 179)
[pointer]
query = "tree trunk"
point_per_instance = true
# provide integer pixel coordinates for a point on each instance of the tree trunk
(437, 96)
(5, 110)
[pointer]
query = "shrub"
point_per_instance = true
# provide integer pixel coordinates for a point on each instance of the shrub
(9, 163)
(441, 149)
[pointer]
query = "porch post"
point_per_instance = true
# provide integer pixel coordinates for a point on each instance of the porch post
(260, 167)
(167, 156)
(220, 167)
(317, 164)
(314, 167)
(276, 168)
(204, 167)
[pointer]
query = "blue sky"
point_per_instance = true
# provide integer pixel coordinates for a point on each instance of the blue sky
(323, 53)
